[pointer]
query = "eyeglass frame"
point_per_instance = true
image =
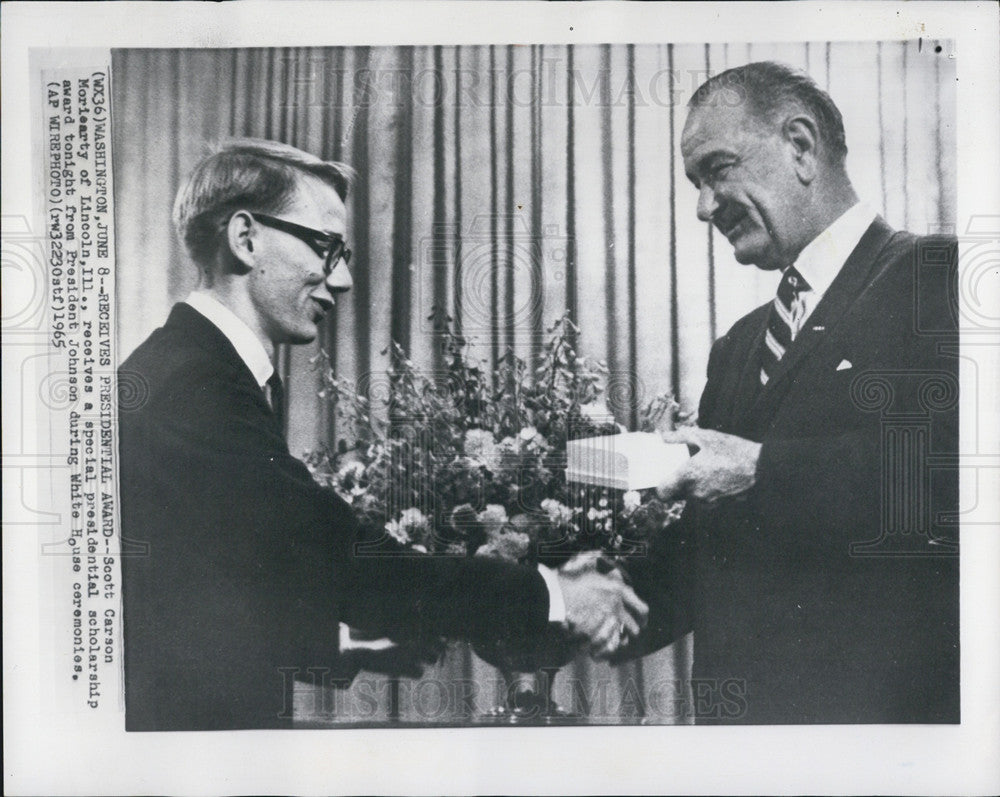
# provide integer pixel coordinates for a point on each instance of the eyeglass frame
(330, 246)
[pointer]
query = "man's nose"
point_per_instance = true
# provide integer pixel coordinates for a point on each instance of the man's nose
(706, 203)
(339, 280)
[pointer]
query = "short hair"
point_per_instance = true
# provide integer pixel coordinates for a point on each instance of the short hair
(769, 88)
(251, 174)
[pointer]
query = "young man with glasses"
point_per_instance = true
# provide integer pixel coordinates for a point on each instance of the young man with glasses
(248, 565)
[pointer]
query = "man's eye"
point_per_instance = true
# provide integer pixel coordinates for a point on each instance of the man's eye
(721, 170)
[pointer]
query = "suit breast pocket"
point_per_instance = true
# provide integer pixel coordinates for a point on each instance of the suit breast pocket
(825, 395)
(844, 365)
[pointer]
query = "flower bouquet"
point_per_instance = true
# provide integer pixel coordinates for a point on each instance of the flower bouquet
(470, 461)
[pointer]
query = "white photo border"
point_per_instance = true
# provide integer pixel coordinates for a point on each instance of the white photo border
(68, 755)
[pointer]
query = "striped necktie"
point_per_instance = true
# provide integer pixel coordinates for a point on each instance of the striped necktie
(276, 395)
(785, 321)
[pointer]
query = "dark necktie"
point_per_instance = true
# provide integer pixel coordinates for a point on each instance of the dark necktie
(276, 395)
(784, 323)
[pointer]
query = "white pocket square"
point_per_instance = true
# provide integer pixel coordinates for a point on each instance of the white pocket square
(844, 365)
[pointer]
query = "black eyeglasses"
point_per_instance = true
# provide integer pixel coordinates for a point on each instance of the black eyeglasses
(331, 248)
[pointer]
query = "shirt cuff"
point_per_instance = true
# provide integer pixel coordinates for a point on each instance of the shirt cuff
(557, 604)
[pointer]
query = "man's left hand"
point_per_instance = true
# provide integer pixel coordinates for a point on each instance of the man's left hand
(723, 465)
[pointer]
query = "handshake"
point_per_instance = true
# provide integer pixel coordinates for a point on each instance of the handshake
(601, 608)
(603, 614)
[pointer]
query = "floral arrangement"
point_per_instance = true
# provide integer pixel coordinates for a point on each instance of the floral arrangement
(470, 461)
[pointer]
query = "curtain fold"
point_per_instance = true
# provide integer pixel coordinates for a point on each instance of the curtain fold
(506, 185)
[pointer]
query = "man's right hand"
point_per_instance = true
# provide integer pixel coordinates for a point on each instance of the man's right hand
(599, 604)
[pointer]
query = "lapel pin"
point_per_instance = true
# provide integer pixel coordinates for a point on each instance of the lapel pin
(819, 329)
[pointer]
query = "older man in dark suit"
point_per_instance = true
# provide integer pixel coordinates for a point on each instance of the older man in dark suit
(249, 566)
(815, 562)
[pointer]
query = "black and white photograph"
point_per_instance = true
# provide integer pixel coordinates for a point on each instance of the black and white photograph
(518, 398)
(539, 252)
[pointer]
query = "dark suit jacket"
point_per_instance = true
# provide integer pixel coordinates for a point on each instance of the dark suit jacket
(240, 567)
(829, 591)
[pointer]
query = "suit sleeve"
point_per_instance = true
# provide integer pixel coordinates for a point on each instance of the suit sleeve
(664, 575)
(399, 593)
(479, 599)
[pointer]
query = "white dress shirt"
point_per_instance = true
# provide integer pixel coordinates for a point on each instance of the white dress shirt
(824, 256)
(252, 352)
(246, 343)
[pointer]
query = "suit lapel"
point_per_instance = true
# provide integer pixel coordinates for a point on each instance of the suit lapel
(831, 312)
(209, 337)
(748, 388)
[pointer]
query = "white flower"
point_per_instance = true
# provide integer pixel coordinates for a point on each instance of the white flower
(413, 519)
(528, 432)
(509, 452)
(631, 500)
(539, 441)
(353, 494)
(397, 532)
(530, 437)
(352, 470)
(494, 517)
(559, 514)
(481, 447)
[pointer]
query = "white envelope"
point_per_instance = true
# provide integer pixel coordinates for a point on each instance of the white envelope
(630, 461)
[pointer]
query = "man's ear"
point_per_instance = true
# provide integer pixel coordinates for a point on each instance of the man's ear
(803, 136)
(240, 232)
